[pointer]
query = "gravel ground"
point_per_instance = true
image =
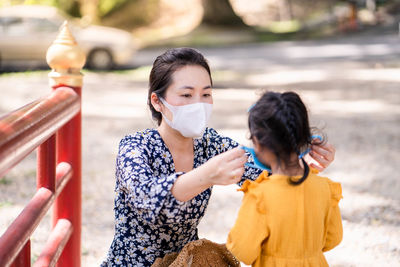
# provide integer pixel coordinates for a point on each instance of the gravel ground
(357, 103)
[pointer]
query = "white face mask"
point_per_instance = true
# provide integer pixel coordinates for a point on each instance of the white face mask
(190, 120)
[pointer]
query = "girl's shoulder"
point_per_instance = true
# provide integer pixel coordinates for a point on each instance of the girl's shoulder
(256, 185)
(264, 184)
(257, 191)
(335, 188)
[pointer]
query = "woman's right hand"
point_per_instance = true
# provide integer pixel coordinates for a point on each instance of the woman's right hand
(223, 169)
(226, 168)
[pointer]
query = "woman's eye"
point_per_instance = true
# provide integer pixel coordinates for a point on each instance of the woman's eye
(186, 95)
(207, 95)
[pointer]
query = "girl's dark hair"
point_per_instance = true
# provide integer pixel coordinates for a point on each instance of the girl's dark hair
(279, 122)
(163, 68)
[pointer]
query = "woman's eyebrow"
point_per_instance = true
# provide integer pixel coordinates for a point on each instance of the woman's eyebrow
(191, 87)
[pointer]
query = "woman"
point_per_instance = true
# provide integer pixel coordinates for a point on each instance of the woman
(164, 176)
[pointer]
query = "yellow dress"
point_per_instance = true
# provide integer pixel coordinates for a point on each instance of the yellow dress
(282, 225)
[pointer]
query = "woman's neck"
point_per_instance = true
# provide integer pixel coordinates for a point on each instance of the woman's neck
(173, 139)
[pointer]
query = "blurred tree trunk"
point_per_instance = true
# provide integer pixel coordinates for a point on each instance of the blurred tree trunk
(89, 11)
(353, 23)
(285, 10)
(371, 5)
(220, 13)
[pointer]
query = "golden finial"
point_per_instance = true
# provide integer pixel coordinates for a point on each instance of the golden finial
(65, 36)
(65, 58)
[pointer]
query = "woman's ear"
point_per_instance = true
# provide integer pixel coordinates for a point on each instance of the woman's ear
(155, 102)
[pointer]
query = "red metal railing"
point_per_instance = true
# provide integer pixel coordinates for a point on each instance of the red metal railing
(53, 125)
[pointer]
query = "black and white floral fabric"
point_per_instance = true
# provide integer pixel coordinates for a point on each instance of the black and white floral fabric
(149, 221)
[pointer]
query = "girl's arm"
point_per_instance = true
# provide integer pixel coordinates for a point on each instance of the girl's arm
(250, 230)
(334, 228)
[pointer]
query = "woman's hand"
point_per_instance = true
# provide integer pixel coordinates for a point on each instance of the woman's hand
(321, 156)
(226, 168)
(223, 169)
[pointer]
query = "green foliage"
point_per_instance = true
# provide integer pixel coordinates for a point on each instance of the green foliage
(71, 7)
(4, 204)
(41, 2)
(5, 181)
(107, 6)
(131, 14)
(284, 26)
(11, 2)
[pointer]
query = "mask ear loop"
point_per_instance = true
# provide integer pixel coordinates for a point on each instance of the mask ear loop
(314, 136)
(165, 103)
(171, 109)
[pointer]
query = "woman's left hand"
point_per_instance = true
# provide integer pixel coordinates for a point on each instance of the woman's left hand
(321, 156)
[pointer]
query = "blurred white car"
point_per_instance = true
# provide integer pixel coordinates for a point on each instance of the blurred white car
(27, 31)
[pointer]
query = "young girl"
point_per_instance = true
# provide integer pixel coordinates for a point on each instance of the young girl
(289, 216)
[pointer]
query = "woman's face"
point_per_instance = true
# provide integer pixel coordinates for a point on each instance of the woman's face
(190, 84)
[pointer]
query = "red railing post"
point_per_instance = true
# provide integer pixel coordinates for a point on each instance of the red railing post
(21, 131)
(68, 205)
(24, 257)
(46, 164)
(66, 60)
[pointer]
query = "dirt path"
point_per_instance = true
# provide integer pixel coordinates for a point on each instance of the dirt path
(355, 99)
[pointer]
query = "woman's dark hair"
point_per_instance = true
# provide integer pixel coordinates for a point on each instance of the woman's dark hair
(165, 65)
(279, 122)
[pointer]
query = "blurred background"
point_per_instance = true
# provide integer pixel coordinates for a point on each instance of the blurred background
(342, 57)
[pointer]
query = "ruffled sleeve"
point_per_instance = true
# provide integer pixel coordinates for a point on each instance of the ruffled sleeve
(250, 230)
(145, 191)
(252, 188)
(334, 228)
(336, 192)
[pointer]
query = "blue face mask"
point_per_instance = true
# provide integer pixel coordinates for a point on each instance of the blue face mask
(257, 163)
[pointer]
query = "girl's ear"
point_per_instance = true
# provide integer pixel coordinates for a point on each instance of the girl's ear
(256, 144)
(155, 102)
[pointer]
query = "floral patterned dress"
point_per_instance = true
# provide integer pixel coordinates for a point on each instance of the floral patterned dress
(149, 221)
